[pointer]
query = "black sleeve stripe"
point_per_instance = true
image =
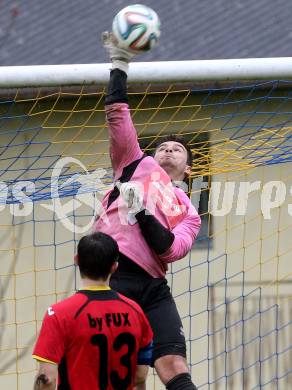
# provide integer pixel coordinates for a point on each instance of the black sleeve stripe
(81, 308)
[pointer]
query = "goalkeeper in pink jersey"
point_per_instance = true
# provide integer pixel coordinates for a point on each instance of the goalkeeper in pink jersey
(153, 221)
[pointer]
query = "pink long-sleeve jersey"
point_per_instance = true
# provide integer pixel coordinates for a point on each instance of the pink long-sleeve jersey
(169, 204)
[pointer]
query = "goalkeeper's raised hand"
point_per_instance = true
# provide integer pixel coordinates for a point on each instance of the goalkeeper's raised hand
(120, 58)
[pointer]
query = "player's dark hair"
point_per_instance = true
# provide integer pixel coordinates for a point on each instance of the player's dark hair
(96, 254)
(180, 140)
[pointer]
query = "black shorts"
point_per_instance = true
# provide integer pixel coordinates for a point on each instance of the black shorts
(154, 297)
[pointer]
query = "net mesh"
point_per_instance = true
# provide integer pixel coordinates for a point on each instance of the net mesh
(233, 290)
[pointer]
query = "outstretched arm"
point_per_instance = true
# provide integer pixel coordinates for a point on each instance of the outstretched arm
(124, 146)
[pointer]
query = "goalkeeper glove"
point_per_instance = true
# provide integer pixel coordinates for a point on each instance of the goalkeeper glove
(158, 237)
(120, 57)
(133, 197)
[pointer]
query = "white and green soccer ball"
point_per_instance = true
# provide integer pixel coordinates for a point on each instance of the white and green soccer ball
(136, 28)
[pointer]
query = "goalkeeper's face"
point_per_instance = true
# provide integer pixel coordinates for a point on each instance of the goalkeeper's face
(172, 156)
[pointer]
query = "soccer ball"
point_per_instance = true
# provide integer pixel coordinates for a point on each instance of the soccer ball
(136, 28)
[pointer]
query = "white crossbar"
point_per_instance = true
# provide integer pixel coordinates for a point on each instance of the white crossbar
(153, 72)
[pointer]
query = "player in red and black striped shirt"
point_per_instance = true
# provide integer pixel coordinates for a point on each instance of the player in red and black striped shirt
(97, 338)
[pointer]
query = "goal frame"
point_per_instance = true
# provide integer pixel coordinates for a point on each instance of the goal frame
(150, 72)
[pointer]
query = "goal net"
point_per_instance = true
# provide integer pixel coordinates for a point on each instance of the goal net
(233, 290)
